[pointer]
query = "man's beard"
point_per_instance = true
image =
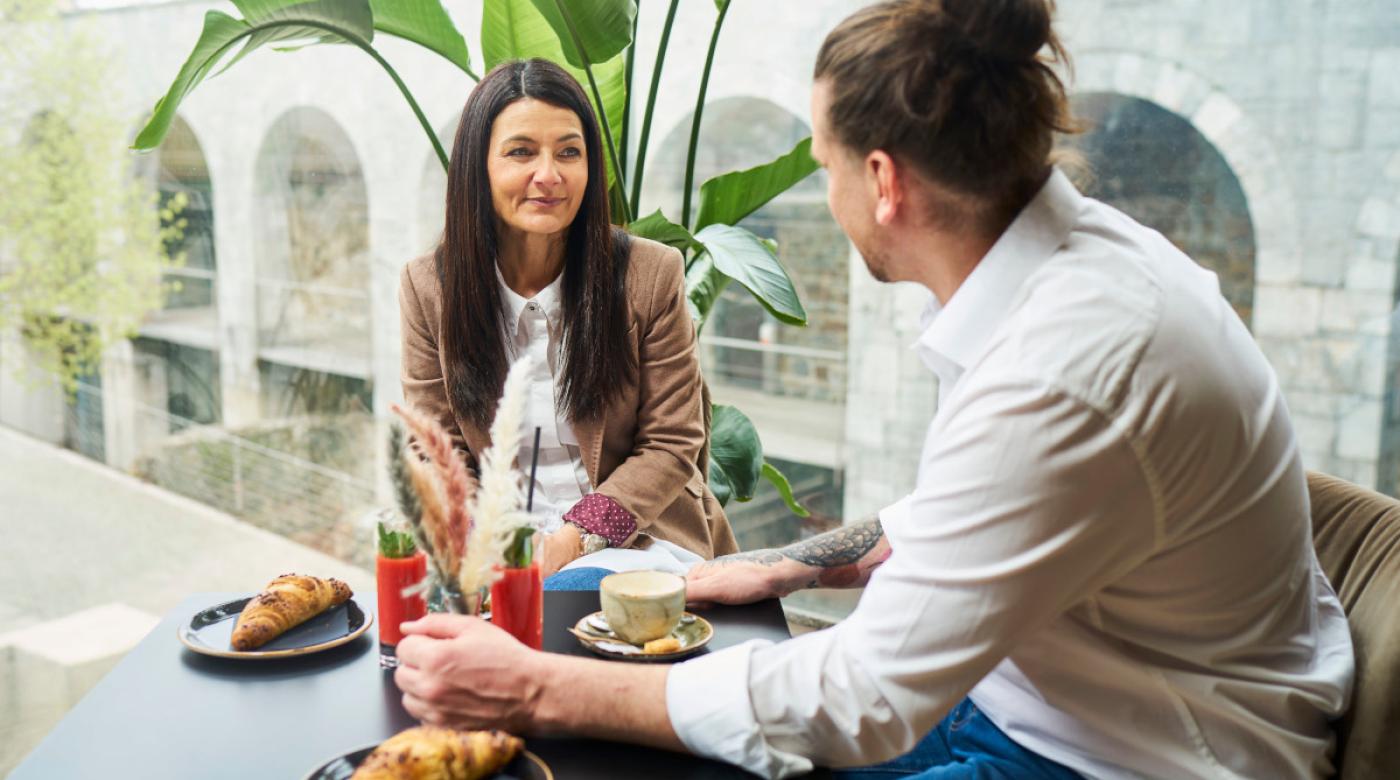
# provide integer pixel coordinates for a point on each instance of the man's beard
(876, 262)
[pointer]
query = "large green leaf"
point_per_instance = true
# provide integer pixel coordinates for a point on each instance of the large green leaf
(425, 23)
(703, 285)
(729, 198)
(266, 21)
(719, 484)
(780, 481)
(657, 227)
(735, 451)
(515, 29)
(604, 27)
(749, 260)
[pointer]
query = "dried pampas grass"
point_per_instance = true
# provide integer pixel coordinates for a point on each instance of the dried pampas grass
(497, 509)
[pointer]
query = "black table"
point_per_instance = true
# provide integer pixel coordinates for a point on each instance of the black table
(166, 712)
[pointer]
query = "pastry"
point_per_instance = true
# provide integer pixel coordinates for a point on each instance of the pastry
(666, 644)
(432, 753)
(287, 601)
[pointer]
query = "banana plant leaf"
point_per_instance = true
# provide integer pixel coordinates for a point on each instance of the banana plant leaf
(753, 262)
(604, 27)
(426, 23)
(728, 198)
(657, 227)
(264, 22)
(703, 285)
(736, 461)
(778, 480)
(736, 454)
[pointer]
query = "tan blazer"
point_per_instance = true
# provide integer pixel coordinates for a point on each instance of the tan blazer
(648, 452)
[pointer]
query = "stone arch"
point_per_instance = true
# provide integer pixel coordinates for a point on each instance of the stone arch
(1158, 168)
(1244, 145)
(311, 241)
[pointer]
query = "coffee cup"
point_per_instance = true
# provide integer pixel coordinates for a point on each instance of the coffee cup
(642, 605)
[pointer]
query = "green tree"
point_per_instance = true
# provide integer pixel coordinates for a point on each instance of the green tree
(81, 249)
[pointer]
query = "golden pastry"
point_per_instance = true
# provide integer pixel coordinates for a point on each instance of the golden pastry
(433, 753)
(666, 644)
(287, 601)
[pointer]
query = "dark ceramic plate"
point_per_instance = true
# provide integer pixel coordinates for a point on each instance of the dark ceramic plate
(526, 766)
(209, 631)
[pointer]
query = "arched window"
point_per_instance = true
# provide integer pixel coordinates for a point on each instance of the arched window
(311, 236)
(1158, 169)
(181, 170)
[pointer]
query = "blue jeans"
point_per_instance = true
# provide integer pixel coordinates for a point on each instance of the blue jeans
(582, 578)
(965, 746)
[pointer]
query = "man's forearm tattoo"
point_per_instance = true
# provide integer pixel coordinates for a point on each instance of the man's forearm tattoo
(836, 554)
(840, 547)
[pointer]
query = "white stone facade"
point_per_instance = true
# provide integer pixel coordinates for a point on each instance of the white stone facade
(1302, 99)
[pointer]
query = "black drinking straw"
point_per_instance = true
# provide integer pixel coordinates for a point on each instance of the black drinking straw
(534, 462)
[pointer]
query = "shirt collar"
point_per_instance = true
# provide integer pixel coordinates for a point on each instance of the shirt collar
(548, 298)
(956, 333)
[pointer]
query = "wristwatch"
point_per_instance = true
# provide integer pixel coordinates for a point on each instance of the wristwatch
(592, 543)
(589, 543)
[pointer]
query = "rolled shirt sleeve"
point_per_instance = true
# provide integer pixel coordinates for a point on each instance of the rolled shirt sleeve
(1028, 500)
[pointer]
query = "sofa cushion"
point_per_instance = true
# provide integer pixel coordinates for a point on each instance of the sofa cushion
(1357, 536)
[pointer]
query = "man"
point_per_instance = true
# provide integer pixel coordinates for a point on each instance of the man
(1105, 567)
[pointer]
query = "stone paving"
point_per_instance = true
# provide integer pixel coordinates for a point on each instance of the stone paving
(90, 558)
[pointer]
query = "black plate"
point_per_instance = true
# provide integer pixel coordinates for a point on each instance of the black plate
(210, 630)
(526, 766)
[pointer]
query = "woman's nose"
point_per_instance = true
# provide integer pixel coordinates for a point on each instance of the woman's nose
(547, 174)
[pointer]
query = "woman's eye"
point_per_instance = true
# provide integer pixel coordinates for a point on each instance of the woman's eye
(570, 152)
(519, 152)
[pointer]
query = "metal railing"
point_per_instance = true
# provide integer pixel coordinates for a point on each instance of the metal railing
(308, 502)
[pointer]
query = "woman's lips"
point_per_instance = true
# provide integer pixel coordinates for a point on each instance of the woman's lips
(545, 202)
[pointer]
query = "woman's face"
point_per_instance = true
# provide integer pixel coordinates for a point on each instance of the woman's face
(538, 167)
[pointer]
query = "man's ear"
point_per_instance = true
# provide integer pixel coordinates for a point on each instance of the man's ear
(887, 183)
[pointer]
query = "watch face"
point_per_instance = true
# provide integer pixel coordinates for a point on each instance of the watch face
(593, 543)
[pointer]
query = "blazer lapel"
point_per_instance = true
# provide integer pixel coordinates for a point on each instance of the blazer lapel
(590, 441)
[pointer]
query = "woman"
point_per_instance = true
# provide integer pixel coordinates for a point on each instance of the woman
(529, 264)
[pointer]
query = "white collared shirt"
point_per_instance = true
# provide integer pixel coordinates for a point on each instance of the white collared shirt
(1108, 546)
(536, 328)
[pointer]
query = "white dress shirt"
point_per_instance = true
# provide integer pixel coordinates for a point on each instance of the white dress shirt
(537, 329)
(1108, 547)
(561, 479)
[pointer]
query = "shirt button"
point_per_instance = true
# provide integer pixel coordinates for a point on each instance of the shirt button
(532, 307)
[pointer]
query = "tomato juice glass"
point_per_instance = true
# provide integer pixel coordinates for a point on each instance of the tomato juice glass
(393, 576)
(517, 604)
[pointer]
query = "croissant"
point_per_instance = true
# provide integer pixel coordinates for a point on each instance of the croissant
(287, 601)
(433, 753)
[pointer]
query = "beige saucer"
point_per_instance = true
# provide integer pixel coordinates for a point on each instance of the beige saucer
(591, 631)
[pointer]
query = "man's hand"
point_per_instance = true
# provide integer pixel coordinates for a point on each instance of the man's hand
(743, 578)
(842, 558)
(463, 672)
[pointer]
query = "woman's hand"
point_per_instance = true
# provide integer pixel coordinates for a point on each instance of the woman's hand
(559, 549)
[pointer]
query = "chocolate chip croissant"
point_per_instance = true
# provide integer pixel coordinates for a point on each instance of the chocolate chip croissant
(287, 601)
(432, 753)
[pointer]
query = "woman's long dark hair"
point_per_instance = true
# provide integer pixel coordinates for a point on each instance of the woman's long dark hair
(595, 355)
